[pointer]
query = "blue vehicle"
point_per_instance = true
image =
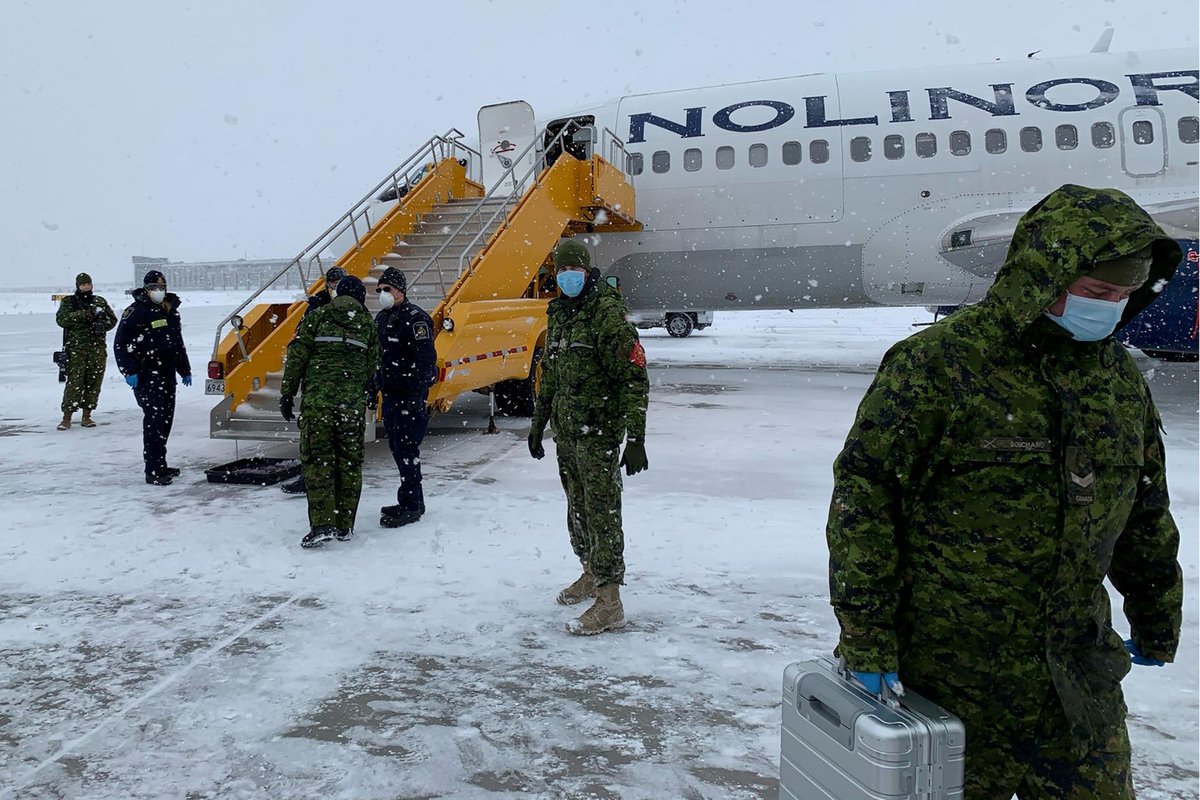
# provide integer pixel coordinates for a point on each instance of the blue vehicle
(1168, 328)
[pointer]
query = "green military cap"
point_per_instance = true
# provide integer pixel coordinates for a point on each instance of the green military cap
(81, 279)
(571, 254)
(1131, 270)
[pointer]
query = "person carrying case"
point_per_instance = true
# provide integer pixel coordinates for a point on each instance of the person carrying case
(840, 742)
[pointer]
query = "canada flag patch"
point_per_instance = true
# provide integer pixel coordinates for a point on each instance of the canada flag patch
(638, 355)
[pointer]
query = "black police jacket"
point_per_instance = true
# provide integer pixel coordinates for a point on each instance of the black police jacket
(150, 338)
(409, 364)
(315, 301)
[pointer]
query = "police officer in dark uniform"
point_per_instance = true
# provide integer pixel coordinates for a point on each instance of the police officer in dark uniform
(315, 301)
(408, 369)
(149, 351)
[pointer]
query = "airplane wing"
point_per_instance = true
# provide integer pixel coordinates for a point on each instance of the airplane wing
(979, 244)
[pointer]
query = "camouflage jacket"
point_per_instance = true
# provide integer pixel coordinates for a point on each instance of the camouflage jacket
(333, 356)
(85, 321)
(594, 380)
(998, 471)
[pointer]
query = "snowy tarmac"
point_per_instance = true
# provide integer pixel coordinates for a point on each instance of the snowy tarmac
(176, 642)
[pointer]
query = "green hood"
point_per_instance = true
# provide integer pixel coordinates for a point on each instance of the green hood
(1062, 237)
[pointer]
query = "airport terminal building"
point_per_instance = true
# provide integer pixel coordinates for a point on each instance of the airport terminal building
(212, 275)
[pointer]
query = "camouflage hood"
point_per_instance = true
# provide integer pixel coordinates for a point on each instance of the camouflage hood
(1063, 237)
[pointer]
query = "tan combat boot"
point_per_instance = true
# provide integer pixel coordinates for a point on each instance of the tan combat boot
(606, 613)
(87, 419)
(65, 425)
(583, 588)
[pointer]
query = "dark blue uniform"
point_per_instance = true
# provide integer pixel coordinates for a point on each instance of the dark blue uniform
(408, 369)
(149, 344)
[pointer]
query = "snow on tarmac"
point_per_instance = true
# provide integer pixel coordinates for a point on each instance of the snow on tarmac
(176, 642)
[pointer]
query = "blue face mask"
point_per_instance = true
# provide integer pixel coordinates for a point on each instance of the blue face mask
(571, 282)
(1088, 319)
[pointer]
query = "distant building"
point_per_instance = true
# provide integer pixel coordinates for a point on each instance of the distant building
(214, 275)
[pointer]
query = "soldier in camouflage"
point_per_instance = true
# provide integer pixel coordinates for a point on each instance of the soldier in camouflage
(334, 355)
(594, 391)
(1004, 461)
(315, 301)
(85, 319)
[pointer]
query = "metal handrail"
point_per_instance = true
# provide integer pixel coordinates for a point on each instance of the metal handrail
(515, 193)
(439, 147)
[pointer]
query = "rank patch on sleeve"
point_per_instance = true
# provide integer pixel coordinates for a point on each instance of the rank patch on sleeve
(420, 331)
(638, 355)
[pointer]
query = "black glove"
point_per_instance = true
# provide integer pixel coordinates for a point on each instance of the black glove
(285, 407)
(535, 441)
(634, 458)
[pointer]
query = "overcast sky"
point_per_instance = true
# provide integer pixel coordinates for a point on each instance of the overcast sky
(243, 128)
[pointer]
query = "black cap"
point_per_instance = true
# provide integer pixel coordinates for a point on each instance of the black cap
(394, 278)
(333, 275)
(351, 286)
(154, 276)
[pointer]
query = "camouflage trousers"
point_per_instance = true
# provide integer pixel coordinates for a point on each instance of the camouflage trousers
(85, 373)
(592, 481)
(1027, 750)
(331, 455)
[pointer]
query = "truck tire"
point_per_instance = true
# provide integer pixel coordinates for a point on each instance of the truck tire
(680, 325)
(515, 398)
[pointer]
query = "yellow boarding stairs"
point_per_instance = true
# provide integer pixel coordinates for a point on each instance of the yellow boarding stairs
(476, 259)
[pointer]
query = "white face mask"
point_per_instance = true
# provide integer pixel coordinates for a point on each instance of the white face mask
(386, 300)
(157, 295)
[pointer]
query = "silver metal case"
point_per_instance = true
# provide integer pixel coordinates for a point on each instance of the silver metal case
(841, 742)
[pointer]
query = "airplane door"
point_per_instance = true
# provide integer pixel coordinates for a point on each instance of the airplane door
(1143, 141)
(505, 131)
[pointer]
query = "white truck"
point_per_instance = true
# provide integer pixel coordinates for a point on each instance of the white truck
(677, 323)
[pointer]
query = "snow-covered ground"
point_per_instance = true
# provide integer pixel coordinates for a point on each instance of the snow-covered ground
(177, 643)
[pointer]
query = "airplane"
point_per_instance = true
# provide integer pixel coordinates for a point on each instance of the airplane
(886, 188)
(895, 188)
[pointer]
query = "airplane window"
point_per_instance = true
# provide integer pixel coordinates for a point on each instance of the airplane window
(1031, 139)
(893, 147)
(818, 151)
(635, 165)
(661, 161)
(724, 157)
(926, 145)
(1103, 135)
(1143, 132)
(960, 143)
(1066, 137)
(791, 153)
(995, 140)
(1189, 130)
(693, 159)
(860, 148)
(758, 155)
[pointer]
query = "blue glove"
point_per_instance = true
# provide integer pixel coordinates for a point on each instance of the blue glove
(131, 380)
(1136, 656)
(873, 682)
(187, 380)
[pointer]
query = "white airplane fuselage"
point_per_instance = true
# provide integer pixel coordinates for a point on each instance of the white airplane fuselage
(886, 188)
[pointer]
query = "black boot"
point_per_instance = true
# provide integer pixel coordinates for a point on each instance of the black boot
(158, 480)
(397, 516)
(295, 487)
(172, 472)
(318, 536)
